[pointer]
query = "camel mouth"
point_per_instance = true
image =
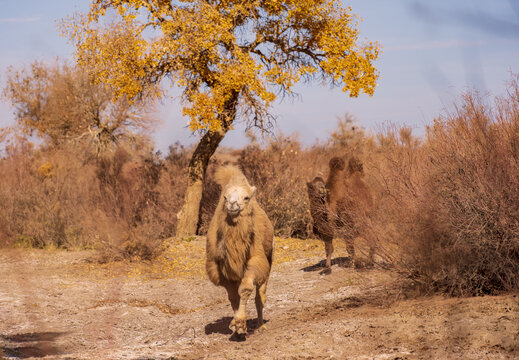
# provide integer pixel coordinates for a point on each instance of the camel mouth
(233, 212)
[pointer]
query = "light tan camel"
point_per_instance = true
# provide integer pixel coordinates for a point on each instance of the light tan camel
(239, 246)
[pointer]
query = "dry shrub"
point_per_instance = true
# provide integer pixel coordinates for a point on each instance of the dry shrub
(142, 193)
(95, 181)
(41, 194)
(451, 203)
(122, 202)
(473, 182)
(396, 176)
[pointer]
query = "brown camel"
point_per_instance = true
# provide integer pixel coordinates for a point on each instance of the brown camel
(342, 207)
(321, 226)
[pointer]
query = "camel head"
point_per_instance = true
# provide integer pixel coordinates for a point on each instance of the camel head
(237, 198)
(317, 188)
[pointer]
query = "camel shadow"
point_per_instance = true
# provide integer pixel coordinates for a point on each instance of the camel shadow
(341, 261)
(30, 345)
(221, 326)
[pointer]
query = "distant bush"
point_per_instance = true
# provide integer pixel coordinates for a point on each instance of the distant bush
(122, 202)
(58, 102)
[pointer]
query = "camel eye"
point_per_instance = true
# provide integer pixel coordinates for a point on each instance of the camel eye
(247, 197)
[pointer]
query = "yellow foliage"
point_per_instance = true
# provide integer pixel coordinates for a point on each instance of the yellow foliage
(228, 56)
(46, 170)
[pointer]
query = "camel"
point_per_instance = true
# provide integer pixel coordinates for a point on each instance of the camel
(344, 211)
(321, 225)
(239, 246)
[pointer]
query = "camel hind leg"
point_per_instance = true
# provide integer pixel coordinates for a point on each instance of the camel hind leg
(350, 247)
(328, 247)
(261, 299)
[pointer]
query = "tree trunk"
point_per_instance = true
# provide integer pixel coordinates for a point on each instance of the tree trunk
(188, 216)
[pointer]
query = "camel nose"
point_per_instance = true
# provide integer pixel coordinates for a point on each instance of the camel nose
(233, 205)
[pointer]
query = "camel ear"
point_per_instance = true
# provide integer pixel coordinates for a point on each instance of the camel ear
(253, 188)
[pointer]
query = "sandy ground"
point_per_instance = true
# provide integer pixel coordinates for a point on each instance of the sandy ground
(61, 305)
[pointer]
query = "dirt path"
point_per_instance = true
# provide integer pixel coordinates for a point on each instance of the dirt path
(56, 305)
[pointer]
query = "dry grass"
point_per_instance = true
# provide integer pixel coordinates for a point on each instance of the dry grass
(186, 260)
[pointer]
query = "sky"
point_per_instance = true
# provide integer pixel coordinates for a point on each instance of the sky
(432, 53)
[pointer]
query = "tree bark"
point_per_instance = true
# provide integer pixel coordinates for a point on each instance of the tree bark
(188, 216)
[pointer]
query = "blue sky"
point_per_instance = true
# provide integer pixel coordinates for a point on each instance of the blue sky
(432, 53)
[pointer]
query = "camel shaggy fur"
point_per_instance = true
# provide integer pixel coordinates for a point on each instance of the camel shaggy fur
(341, 206)
(350, 201)
(321, 226)
(239, 246)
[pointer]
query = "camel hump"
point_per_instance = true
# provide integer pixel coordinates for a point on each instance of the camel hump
(230, 173)
(337, 163)
(355, 165)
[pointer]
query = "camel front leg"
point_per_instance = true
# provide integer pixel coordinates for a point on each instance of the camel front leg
(234, 298)
(258, 269)
(240, 316)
